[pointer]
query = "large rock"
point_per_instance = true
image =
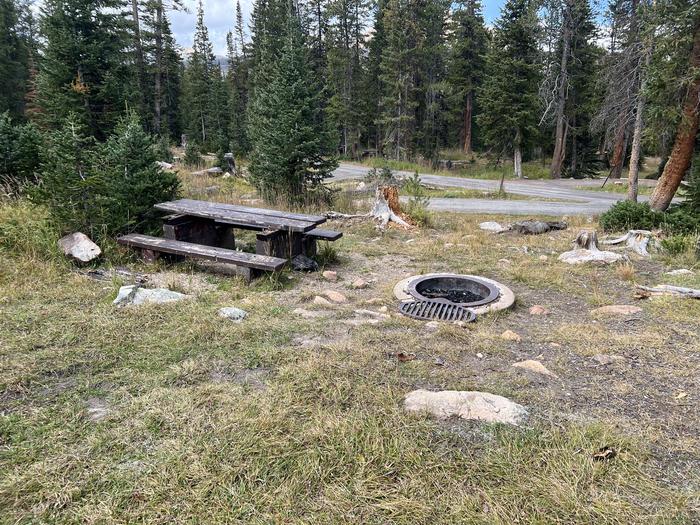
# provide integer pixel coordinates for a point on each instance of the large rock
(492, 226)
(79, 247)
(134, 295)
(481, 406)
(334, 296)
(581, 256)
(617, 309)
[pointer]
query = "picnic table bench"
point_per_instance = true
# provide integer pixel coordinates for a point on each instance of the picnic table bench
(205, 230)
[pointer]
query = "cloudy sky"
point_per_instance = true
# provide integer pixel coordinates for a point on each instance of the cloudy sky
(220, 16)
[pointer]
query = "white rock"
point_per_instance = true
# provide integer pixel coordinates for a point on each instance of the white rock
(534, 366)
(481, 406)
(132, 294)
(164, 165)
(214, 171)
(79, 247)
(582, 256)
(361, 186)
(234, 314)
(492, 226)
(617, 309)
(681, 271)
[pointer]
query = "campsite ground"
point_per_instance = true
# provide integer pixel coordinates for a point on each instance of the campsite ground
(171, 414)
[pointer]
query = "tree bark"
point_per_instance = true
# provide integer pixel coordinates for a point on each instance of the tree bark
(633, 184)
(682, 152)
(140, 62)
(560, 137)
(157, 91)
(517, 156)
(468, 110)
(618, 159)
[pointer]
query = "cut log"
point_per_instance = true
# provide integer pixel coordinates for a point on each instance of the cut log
(637, 240)
(667, 289)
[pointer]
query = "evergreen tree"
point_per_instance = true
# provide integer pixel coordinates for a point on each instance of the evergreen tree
(372, 86)
(237, 80)
(291, 151)
(509, 94)
(20, 146)
(15, 50)
(468, 46)
(85, 68)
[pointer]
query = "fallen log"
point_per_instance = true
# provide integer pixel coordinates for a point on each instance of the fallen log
(637, 240)
(667, 289)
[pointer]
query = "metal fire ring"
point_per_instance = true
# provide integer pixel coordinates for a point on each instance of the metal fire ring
(493, 291)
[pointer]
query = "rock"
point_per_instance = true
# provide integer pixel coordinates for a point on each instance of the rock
(359, 284)
(234, 314)
(383, 309)
(214, 171)
(302, 263)
(509, 335)
(543, 258)
(79, 247)
(534, 366)
(481, 406)
(226, 175)
(492, 226)
(607, 359)
(132, 294)
(479, 355)
(322, 301)
(681, 271)
(538, 310)
(335, 297)
(361, 186)
(532, 227)
(581, 256)
(432, 326)
(330, 276)
(164, 165)
(617, 309)
(97, 409)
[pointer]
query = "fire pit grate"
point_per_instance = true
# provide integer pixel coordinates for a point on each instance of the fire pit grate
(436, 309)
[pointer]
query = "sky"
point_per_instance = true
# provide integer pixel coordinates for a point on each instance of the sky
(220, 15)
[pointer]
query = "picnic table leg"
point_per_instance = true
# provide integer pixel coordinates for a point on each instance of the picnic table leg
(199, 231)
(279, 244)
(308, 246)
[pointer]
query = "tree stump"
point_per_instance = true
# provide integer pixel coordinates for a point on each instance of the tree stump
(587, 240)
(387, 207)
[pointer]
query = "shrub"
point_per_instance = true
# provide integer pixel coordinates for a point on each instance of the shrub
(417, 207)
(103, 189)
(628, 215)
(162, 149)
(193, 155)
(677, 244)
(28, 230)
(19, 154)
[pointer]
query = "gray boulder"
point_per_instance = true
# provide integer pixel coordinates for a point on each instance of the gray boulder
(133, 295)
(234, 314)
(79, 247)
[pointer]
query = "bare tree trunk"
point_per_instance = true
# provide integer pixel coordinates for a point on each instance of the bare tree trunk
(618, 159)
(468, 110)
(560, 137)
(682, 152)
(518, 156)
(140, 62)
(157, 117)
(633, 185)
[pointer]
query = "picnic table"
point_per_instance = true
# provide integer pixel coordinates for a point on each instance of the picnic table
(205, 230)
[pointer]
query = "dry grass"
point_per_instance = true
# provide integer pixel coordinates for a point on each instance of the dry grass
(281, 419)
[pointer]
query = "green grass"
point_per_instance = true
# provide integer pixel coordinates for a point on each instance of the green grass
(610, 187)
(281, 419)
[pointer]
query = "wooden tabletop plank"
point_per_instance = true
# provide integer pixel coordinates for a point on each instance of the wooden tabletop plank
(200, 251)
(225, 208)
(237, 218)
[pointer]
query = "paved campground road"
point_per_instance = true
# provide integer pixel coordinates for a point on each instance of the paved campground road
(576, 201)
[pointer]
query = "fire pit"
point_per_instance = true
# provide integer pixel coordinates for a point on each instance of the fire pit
(468, 292)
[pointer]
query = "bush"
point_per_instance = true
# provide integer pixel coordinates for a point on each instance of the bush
(103, 189)
(677, 244)
(28, 230)
(417, 207)
(19, 154)
(628, 215)
(162, 149)
(193, 155)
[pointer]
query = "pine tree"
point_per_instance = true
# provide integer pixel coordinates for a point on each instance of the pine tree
(509, 94)
(468, 46)
(20, 145)
(371, 101)
(291, 153)
(237, 80)
(15, 50)
(85, 68)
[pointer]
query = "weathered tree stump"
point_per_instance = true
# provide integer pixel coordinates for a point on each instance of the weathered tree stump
(637, 240)
(587, 240)
(387, 207)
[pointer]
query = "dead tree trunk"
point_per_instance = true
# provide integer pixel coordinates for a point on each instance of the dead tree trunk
(560, 137)
(518, 156)
(633, 184)
(138, 47)
(618, 158)
(682, 152)
(157, 90)
(468, 110)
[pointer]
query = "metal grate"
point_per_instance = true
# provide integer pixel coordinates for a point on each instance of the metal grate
(439, 310)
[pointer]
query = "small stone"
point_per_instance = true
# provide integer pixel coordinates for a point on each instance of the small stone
(321, 301)
(617, 309)
(481, 406)
(234, 314)
(410, 241)
(361, 186)
(479, 355)
(492, 226)
(538, 310)
(534, 366)
(79, 247)
(439, 361)
(164, 165)
(329, 275)
(681, 271)
(432, 326)
(555, 345)
(335, 297)
(607, 359)
(509, 335)
(543, 258)
(359, 284)
(383, 309)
